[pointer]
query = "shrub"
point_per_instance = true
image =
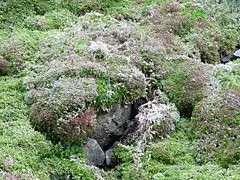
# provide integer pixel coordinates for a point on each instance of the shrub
(167, 16)
(214, 43)
(215, 37)
(223, 108)
(228, 75)
(22, 47)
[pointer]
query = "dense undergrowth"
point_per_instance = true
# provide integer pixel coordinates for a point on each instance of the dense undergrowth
(64, 62)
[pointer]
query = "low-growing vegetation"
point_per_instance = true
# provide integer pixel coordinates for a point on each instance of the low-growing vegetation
(156, 79)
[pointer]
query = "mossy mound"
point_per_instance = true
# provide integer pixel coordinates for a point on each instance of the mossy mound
(217, 128)
(68, 91)
(185, 82)
(81, 73)
(26, 153)
(216, 118)
(82, 58)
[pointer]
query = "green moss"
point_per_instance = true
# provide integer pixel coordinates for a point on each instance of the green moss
(14, 12)
(172, 151)
(195, 14)
(176, 161)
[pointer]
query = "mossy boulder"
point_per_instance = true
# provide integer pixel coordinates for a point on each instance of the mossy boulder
(67, 99)
(64, 91)
(75, 75)
(65, 110)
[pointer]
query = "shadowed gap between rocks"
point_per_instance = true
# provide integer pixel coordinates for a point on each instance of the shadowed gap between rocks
(111, 127)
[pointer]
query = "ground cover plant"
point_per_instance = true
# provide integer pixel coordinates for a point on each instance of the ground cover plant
(156, 78)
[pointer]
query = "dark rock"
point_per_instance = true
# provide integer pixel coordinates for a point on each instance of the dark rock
(95, 154)
(227, 58)
(232, 56)
(110, 126)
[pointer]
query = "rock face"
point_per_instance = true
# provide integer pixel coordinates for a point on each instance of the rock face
(111, 125)
(95, 154)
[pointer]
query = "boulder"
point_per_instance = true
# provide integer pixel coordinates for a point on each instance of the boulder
(227, 58)
(111, 125)
(109, 154)
(95, 154)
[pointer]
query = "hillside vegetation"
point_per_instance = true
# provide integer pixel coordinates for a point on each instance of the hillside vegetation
(154, 82)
